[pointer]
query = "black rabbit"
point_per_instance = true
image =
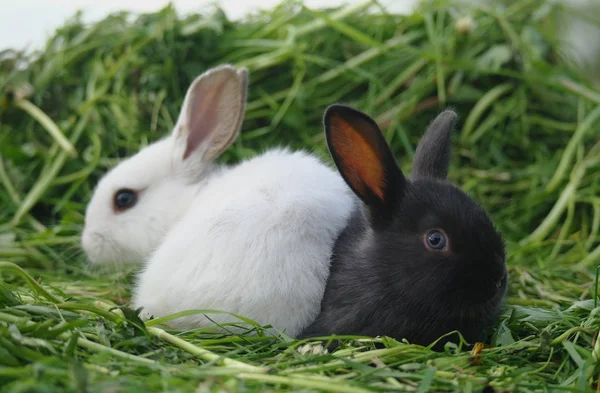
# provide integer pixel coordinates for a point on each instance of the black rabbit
(418, 258)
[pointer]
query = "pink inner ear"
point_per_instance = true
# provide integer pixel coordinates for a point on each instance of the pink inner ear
(202, 114)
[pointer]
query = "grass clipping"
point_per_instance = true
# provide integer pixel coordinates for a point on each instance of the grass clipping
(527, 149)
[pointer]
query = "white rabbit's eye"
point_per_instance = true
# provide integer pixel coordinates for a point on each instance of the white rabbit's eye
(436, 240)
(124, 199)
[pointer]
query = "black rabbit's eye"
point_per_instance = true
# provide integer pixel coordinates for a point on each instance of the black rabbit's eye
(436, 240)
(124, 199)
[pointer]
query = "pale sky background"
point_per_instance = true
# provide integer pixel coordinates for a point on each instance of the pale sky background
(30, 22)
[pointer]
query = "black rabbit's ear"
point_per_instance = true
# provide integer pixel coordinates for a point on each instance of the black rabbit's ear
(433, 152)
(363, 158)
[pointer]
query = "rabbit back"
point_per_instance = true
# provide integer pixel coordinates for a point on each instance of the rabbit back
(256, 242)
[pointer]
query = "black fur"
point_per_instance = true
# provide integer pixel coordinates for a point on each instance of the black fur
(433, 153)
(383, 279)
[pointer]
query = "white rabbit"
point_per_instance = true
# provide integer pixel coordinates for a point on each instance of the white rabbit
(253, 239)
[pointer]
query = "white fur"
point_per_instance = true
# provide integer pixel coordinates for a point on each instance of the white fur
(254, 239)
(131, 236)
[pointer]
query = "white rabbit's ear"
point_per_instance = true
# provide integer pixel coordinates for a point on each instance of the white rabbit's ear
(212, 113)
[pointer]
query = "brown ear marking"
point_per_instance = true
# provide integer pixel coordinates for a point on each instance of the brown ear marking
(364, 160)
(357, 155)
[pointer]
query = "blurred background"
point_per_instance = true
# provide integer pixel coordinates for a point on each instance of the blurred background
(28, 23)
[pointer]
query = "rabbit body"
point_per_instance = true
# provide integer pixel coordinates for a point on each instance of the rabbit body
(252, 243)
(419, 258)
(253, 239)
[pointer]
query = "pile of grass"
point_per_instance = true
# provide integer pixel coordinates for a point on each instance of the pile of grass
(526, 148)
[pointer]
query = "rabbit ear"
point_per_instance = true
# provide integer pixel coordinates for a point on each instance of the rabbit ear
(212, 113)
(363, 158)
(433, 152)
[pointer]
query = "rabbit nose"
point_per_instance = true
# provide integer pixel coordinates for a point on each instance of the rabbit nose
(89, 238)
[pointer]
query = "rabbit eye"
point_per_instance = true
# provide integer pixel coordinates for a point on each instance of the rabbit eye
(435, 240)
(124, 199)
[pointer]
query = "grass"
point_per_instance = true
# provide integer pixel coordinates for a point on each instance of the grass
(527, 149)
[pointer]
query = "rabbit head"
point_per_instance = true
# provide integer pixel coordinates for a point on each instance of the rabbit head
(136, 203)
